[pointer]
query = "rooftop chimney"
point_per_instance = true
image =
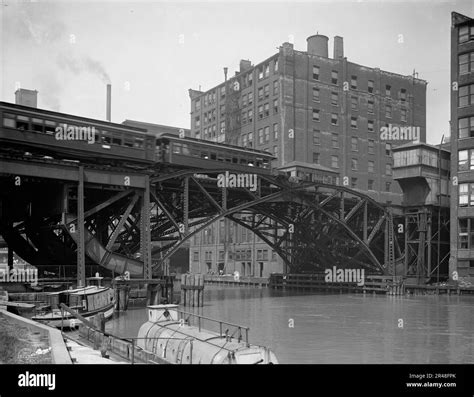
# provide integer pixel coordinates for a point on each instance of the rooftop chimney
(26, 97)
(338, 47)
(318, 45)
(225, 73)
(109, 100)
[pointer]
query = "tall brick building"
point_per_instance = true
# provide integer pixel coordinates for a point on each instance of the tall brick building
(317, 115)
(462, 146)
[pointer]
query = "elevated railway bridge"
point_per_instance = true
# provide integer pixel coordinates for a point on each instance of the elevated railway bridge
(128, 200)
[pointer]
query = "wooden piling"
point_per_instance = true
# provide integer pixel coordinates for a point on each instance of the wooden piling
(192, 290)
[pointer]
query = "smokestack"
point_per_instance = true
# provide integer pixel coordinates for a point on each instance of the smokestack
(109, 100)
(225, 73)
(338, 47)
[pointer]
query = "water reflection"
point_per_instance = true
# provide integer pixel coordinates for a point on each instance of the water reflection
(340, 328)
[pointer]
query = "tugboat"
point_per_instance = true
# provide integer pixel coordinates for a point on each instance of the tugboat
(87, 301)
(169, 335)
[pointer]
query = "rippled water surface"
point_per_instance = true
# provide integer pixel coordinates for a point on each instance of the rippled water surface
(340, 328)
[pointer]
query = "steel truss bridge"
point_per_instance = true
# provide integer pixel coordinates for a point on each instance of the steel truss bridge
(55, 213)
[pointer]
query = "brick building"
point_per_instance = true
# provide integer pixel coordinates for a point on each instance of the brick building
(462, 146)
(317, 114)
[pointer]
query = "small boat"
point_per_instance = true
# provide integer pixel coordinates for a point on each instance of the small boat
(87, 301)
(169, 336)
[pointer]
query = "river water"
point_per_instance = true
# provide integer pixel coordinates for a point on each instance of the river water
(339, 328)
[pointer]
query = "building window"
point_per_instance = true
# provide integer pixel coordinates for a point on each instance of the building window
(275, 106)
(222, 127)
(260, 72)
(275, 132)
(195, 256)
(371, 146)
(334, 77)
(260, 136)
(353, 82)
(334, 119)
(370, 166)
(354, 164)
(334, 98)
(250, 116)
(335, 141)
(388, 111)
(370, 125)
(466, 63)
(267, 70)
(388, 90)
(315, 72)
(244, 117)
(197, 104)
(403, 95)
(267, 109)
(223, 92)
(260, 93)
(244, 140)
(197, 122)
(266, 90)
(466, 127)
(267, 134)
(250, 139)
(334, 162)
(275, 66)
(354, 122)
(388, 169)
(316, 137)
(370, 184)
(354, 144)
(466, 33)
(463, 240)
(275, 151)
(466, 160)
(260, 112)
(315, 94)
(276, 87)
(250, 98)
(387, 186)
(466, 194)
(244, 101)
(354, 103)
(316, 158)
(315, 114)
(370, 106)
(466, 95)
(353, 183)
(370, 86)
(403, 115)
(388, 149)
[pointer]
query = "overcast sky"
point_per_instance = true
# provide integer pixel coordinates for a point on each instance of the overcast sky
(153, 52)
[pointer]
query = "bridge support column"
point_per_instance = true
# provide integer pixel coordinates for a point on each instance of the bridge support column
(145, 232)
(81, 260)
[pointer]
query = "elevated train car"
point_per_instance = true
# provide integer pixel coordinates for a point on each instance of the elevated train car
(65, 136)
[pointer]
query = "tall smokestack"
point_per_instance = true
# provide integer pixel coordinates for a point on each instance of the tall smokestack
(109, 100)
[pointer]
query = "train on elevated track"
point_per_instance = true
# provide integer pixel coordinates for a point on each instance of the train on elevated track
(63, 136)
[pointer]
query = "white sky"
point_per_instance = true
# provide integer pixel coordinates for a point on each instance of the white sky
(153, 52)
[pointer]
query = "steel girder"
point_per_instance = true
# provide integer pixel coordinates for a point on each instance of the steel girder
(310, 225)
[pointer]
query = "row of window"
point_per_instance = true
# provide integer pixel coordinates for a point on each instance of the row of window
(418, 156)
(466, 95)
(316, 116)
(466, 127)
(402, 94)
(238, 255)
(48, 127)
(354, 142)
(466, 194)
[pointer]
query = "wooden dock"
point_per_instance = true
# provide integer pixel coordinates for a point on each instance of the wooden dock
(240, 281)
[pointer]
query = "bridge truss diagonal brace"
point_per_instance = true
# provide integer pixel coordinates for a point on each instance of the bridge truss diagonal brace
(122, 221)
(145, 232)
